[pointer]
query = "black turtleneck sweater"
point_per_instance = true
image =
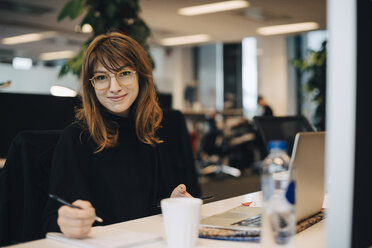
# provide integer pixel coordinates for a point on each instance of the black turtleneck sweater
(122, 183)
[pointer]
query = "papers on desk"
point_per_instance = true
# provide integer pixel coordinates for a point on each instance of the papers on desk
(108, 238)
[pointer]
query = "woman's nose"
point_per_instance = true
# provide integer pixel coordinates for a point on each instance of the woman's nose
(114, 86)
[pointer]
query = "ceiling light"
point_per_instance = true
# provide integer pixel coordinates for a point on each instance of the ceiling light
(22, 63)
(57, 55)
(25, 38)
(213, 7)
(181, 40)
(57, 90)
(288, 28)
(86, 28)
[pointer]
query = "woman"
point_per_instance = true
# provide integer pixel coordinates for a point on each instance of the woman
(108, 157)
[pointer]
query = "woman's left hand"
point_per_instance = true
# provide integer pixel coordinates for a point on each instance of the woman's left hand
(180, 191)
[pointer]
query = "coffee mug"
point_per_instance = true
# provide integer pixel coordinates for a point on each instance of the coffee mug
(181, 216)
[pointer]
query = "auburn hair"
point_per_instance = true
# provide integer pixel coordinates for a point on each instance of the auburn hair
(113, 50)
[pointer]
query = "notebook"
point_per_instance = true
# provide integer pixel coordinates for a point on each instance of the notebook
(106, 237)
(307, 166)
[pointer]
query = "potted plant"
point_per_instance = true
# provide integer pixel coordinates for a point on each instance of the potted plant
(104, 16)
(315, 65)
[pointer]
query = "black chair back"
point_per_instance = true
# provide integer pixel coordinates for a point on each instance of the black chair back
(280, 128)
(21, 112)
(24, 186)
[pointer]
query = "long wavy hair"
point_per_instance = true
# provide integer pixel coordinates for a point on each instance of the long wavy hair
(113, 50)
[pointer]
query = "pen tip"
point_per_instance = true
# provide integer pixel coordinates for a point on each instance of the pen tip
(98, 219)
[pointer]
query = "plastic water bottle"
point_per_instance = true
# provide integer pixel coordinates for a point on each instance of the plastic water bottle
(278, 212)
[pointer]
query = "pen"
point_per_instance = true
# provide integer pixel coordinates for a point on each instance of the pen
(59, 199)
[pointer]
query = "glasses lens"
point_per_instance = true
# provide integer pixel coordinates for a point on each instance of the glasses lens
(125, 77)
(101, 81)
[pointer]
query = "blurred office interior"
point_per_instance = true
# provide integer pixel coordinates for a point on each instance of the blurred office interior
(212, 82)
(215, 84)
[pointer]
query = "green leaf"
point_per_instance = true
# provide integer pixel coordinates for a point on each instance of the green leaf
(134, 5)
(72, 9)
(111, 10)
(139, 31)
(74, 64)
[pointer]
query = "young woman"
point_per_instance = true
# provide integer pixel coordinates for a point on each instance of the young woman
(107, 161)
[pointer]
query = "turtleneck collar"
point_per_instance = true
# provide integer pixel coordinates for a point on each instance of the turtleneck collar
(124, 122)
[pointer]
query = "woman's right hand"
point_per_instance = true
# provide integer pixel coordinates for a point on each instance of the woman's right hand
(74, 222)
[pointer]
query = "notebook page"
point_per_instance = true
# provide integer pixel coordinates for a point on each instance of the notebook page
(108, 238)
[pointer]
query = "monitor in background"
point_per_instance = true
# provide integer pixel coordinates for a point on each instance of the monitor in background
(21, 112)
(280, 128)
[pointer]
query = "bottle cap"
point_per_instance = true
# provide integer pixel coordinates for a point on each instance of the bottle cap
(278, 144)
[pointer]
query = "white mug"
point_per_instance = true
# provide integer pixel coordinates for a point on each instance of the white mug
(181, 216)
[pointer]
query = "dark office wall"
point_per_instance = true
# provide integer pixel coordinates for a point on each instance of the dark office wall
(32, 112)
(362, 204)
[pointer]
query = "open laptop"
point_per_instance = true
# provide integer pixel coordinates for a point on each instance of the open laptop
(307, 166)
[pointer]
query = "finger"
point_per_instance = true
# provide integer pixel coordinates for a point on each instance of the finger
(76, 213)
(180, 191)
(82, 204)
(187, 194)
(175, 193)
(70, 222)
(184, 194)
(181, 188)
(76, 232)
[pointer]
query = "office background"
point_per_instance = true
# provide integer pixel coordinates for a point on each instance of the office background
(218, 71)
(277, 79)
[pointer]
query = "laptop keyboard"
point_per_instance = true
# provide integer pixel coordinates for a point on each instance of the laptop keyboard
(254, 221)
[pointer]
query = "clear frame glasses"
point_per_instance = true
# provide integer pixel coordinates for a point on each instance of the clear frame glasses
(102, 81)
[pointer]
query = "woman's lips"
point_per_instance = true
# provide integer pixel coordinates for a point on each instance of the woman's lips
(117, 98)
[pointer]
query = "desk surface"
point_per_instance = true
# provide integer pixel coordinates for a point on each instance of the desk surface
(311, 237)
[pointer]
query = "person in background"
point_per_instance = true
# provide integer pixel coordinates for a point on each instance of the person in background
(266, 110)
(190, 93)
(107, 160)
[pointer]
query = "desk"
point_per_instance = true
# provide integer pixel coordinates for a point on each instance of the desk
(311, 237)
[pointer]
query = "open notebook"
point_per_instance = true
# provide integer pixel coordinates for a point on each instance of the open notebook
(307, 164)
(106, 237)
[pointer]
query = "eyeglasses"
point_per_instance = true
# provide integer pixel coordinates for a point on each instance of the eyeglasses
(102, 81)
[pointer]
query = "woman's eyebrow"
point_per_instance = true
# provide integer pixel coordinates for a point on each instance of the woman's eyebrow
(124, 67)
(119, 69)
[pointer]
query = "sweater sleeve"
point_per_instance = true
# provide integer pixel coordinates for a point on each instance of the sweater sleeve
(66, 176)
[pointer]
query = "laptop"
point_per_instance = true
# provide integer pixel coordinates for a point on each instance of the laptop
(307, 166)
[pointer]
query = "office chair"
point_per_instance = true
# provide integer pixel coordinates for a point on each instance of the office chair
(24, 186)
(240, 136)
(213, 153)
(279, 128)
